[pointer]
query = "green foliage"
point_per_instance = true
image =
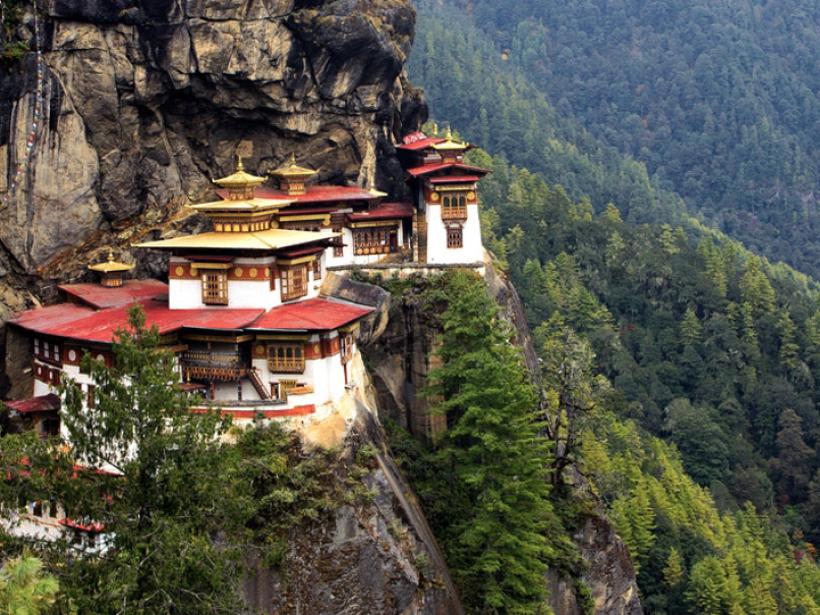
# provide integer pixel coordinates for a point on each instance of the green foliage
(497, 544)
(24, 588)
(11, 49)
(484, 485)
(718, 100)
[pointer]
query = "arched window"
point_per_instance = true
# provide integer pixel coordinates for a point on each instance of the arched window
(462, 202)
(446, 201)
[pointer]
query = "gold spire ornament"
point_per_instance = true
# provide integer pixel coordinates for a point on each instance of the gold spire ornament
(292, 177)
(112, 271)
(240, 184)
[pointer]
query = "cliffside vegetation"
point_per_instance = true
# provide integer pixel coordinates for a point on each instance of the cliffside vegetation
(719, 102)
(699, 342)
(186, 509)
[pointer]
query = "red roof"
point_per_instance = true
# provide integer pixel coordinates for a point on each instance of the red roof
(311, 315)
(83, 527)
(385, 211)
(416, 141)
(80, 323)
(314, 194)
(99, 296)
(302, 252)
(432, 167)
(454, 179)
(41, 403)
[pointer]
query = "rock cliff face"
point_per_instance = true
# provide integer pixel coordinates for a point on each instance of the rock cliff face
(374, 556)
(146, 100)
(399, 358)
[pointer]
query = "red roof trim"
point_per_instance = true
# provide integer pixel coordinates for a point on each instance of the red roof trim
(91, 528)
(418, 141)
(99, 296)
(268, 414)
(41, 403)
(454, 179)
(313, 194)
(432, 167)
(302, 252)
(384, 211)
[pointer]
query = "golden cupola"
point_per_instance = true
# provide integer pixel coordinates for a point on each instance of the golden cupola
(292, 177)
(112, 273)
(450, 149)
(239, 184)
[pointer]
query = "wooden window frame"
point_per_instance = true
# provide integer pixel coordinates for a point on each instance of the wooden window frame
(346, 342)
(214, 287)
(454, 206)
(280, 363)
(375, 240)
(290, 289)
(455, 237)
(338, 242)
(317, 268)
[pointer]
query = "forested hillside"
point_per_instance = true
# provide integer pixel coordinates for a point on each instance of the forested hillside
(720, 101)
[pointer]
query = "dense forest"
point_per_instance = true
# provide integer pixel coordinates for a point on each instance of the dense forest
(496, 493)
(692, 405)
(719, 101)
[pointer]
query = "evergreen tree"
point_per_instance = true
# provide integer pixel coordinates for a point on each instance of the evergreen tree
(794, 459)
(673, 571)
(158, 480)
(24, 588)
(496, 545)
(690, 329)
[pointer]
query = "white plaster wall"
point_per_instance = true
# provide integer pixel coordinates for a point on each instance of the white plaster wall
(437, 250)
(349, 258)
(184, 294)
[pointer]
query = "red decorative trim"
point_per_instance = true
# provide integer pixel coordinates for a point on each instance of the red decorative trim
(268, 414)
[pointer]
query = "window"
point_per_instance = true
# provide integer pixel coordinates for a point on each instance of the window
(90, 397)
(294, 282)
(286, 358)
(454, 207)
(338, 246)
(317, 268)
(50, 427)
(379, 240)
(215, 288)
(346, 346)
(455, 237)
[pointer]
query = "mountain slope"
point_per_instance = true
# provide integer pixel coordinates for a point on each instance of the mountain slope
(719, 100)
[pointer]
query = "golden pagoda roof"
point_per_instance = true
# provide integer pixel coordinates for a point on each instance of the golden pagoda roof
(243, 205)
(270, 239)
(450, 144)
(110, 265)
(239, 178)
(291, 169)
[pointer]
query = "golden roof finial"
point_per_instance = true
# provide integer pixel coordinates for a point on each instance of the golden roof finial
(110, 266)
(240, 166)
(449, 134)
(435, 129)
(291, 169)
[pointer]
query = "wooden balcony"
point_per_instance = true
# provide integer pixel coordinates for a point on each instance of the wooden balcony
(213, 366)
(454, 213)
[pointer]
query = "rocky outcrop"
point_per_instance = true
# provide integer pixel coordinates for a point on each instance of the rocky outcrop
(145, 101)
(375, 555)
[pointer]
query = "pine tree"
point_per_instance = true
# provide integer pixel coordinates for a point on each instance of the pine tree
(794, 457)
(497, 545)
(789, 352)
(24, 588)
(165, 493)
(673, 571)
(690, 329)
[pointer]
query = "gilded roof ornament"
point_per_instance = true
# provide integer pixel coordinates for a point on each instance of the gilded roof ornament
(291, 169)
(110, 266)
(450, 144)
(239, 178)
